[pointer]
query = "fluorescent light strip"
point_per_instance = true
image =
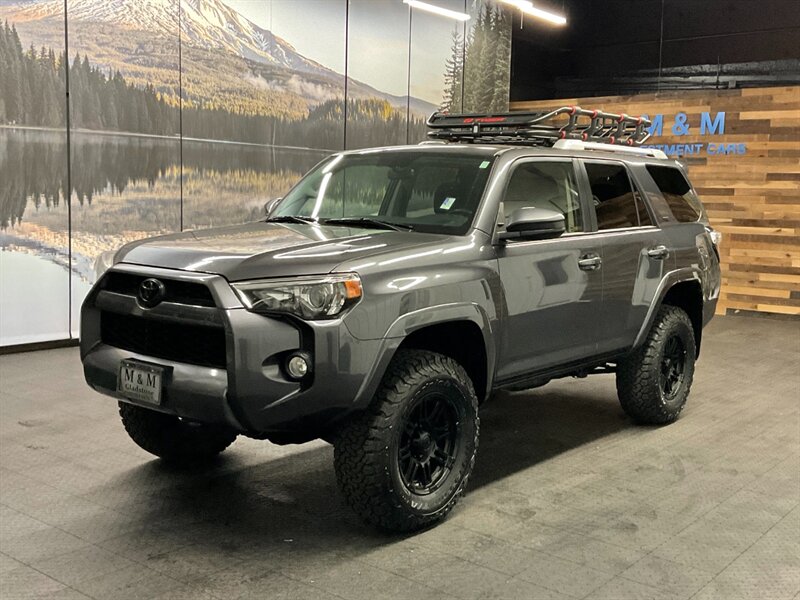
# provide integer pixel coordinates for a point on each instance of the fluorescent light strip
(528, 8)
(444, 12)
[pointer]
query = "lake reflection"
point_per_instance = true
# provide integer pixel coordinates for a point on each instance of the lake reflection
(127, 187)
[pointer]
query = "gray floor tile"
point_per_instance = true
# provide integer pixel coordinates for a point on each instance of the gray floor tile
(41, 544)
(458, 578)
(517, 589)
(568, 498)
(8, 563)
(620, 588)
(25, 583)
(128, 583)
(83, 564)
(681, 579)
(66, 594)
(561, 575)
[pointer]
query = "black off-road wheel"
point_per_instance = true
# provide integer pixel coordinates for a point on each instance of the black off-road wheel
(176, 441)
(653, 383)
(404, 463)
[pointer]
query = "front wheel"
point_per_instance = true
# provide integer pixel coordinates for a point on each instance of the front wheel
(405, 462)
(173, 439)
(653, 382)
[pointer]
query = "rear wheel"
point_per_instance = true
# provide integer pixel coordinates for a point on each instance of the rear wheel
(173, 439)
(405, 462)
(653, 383)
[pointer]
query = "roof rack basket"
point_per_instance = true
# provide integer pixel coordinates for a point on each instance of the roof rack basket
(541, 128)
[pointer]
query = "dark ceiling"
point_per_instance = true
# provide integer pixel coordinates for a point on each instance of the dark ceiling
(624, 46)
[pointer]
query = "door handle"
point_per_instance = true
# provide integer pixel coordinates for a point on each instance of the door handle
(659, 252)
(589, 262)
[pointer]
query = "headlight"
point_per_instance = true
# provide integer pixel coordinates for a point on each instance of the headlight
(103, 263)
(308, 298)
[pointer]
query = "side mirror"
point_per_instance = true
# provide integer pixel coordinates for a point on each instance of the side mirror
(270, 204)
(529, 223)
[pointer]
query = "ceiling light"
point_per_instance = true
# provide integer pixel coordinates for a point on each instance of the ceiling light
(444, 12)
(528, 8)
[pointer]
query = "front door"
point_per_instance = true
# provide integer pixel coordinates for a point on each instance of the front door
(553, 288)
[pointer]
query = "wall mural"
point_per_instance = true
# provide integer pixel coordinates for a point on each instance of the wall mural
(193, 113)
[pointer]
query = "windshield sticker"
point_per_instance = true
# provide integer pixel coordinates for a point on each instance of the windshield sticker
(448, 203)
(484, 164)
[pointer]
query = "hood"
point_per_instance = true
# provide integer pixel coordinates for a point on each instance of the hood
(261, 249)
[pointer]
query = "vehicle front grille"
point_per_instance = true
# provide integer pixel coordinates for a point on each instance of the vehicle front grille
(180, 292)
(181, 342)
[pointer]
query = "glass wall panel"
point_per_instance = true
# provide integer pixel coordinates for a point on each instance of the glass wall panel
(436, 69)
(34, 227)
(643, 46)
(712, 45)
(377, 70)
(263, 92)
(225, 183)
(487, 58)
(124, 83)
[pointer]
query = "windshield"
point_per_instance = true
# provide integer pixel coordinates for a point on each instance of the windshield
(434, 192)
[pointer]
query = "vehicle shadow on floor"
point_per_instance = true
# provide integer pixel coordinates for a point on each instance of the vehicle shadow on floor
(291, 504)
(522, 429)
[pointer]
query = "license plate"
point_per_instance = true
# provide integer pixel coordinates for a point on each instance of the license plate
(139, 381)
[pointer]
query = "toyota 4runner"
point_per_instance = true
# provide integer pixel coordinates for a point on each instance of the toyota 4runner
(393, 289)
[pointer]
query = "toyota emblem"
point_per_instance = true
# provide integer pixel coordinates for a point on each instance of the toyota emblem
(151, 292)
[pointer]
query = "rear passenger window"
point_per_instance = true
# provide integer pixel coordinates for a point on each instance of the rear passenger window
(683, 202)
(616, 204)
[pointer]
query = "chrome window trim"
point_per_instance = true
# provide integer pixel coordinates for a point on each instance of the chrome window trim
(576, 234)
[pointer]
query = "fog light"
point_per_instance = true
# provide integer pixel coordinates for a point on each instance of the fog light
(297, 366)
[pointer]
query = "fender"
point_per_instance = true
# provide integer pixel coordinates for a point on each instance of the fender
(670, 279)
(408, 323)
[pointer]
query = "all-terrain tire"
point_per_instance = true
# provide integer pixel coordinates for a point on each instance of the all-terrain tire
(641, 376)
(370, 450)
(174, 440)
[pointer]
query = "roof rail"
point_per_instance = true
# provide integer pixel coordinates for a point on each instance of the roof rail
(578, 145)
(541, 128)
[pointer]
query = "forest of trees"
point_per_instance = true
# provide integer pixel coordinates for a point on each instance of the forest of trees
(33, 84)
(477, 71)
(32, 92)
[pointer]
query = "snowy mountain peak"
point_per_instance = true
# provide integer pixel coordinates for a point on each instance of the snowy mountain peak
(208, 24)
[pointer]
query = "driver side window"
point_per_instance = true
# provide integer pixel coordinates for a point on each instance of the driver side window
(545, 184)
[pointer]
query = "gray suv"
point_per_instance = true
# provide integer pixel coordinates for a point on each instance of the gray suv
(394, 289)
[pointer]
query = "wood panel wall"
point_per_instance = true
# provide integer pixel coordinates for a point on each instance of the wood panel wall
(753, 199)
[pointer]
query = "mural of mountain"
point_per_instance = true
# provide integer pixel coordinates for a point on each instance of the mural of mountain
(205, 23)
(186, 114)
(243, 64)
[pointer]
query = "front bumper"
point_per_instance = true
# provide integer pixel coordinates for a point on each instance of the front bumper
(251, 393)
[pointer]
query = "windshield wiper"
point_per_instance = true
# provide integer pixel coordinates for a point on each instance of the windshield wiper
(291, 219)
(368, 222)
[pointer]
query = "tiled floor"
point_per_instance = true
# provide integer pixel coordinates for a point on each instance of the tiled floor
(568, 499)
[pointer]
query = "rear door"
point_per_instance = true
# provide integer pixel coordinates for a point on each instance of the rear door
(553, 287)
(634, 251)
